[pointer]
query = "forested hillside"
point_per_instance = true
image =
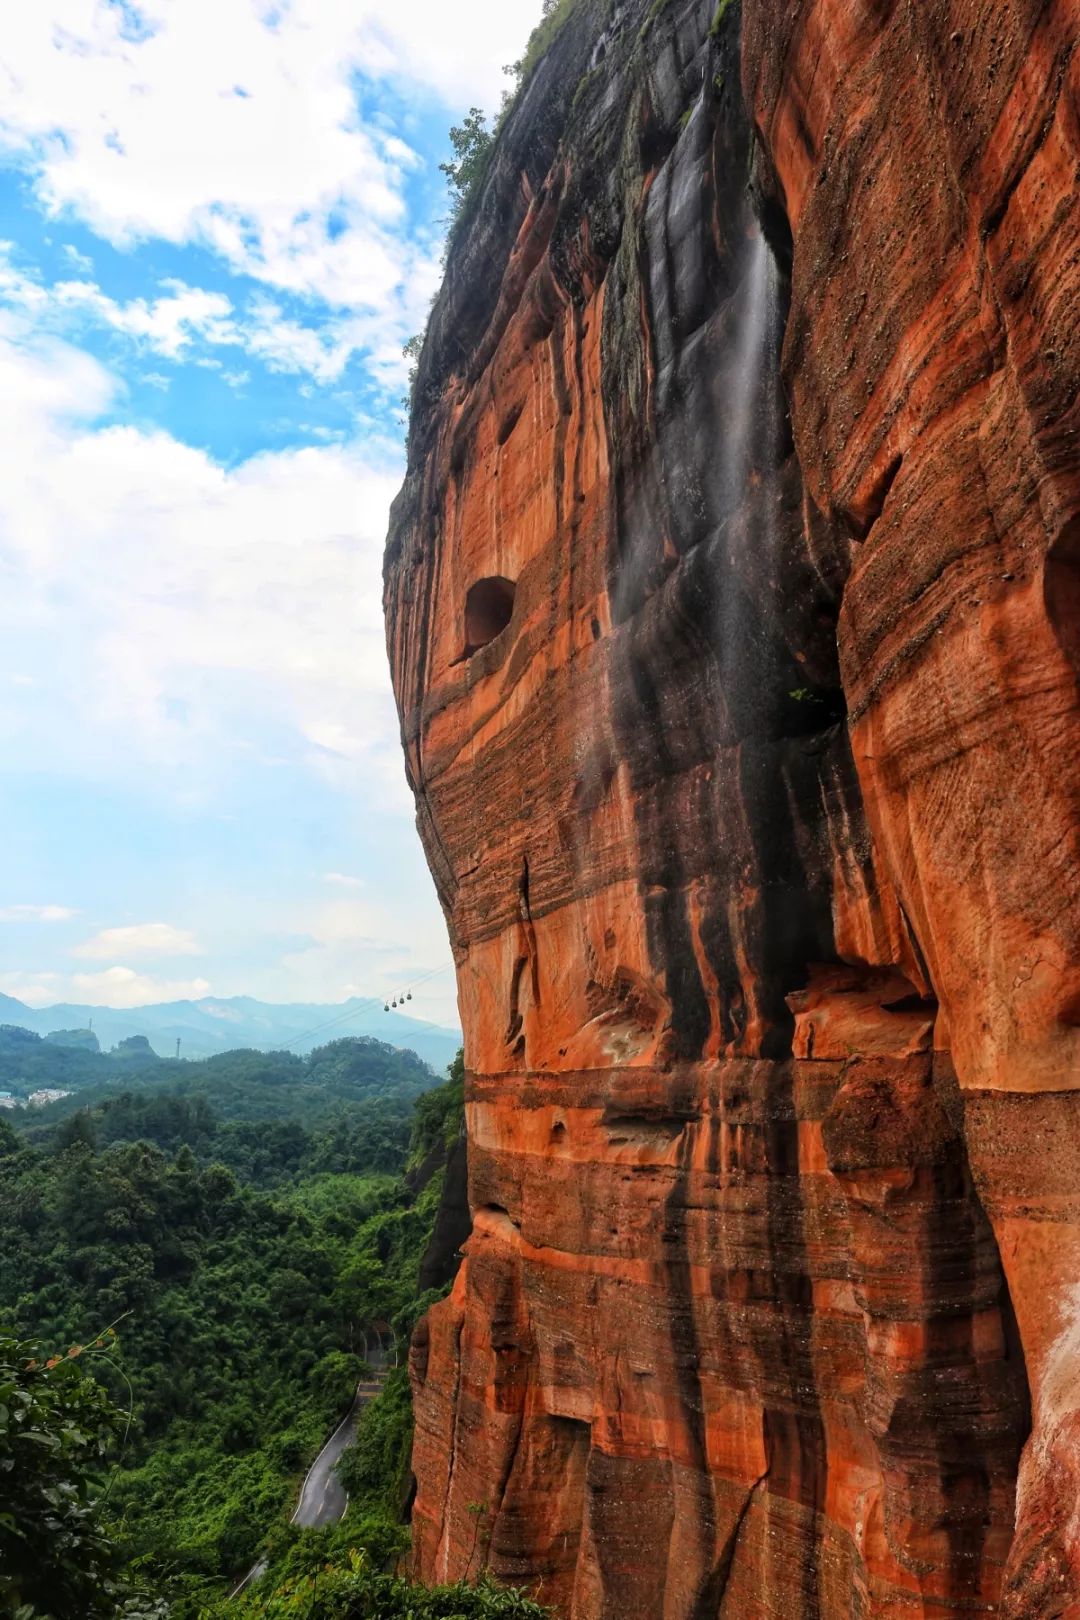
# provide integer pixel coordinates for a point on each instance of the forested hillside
(242, 1236)
(244, 1082)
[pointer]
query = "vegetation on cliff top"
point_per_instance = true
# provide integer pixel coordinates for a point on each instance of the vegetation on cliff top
(555, 15)
(473, 143)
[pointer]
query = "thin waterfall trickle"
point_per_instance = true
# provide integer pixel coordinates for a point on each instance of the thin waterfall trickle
(756, 316)
(752, 452)
(773, 412)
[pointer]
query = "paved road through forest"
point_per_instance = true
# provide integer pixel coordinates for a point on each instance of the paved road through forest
(323, 1498)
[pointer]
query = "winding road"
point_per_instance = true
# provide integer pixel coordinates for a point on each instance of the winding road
(323, 1499)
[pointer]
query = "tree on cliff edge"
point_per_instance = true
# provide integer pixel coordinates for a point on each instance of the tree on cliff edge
(471, 140)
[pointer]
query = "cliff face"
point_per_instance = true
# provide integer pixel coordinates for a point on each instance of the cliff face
(732, 607)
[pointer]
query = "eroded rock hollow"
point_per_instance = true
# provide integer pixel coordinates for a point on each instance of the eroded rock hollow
(733, 603)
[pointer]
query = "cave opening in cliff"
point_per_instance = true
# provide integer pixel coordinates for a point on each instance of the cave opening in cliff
(489, 607)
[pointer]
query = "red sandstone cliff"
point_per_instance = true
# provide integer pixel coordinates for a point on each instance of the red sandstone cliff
(742, 718)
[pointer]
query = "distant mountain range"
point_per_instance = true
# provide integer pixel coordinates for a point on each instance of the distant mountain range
(217, 1025)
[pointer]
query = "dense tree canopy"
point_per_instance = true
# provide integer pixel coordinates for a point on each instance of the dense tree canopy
(259, 1085)
(243, 1234)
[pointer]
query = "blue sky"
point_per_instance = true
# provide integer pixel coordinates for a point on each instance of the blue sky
(218, 224)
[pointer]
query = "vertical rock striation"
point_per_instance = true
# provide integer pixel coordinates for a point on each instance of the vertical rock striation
(934, 403)
(732, 603)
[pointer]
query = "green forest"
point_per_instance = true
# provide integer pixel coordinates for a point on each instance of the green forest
(246, 1083)
(196, 1258)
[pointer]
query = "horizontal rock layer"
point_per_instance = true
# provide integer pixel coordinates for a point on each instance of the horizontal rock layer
(732, 603)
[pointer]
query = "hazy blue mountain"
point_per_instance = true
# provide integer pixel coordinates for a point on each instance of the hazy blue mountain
(221, 1024)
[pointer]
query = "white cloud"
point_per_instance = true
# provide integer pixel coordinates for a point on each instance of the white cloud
(257, 147)
(139, 939)
(35, 989)
(124, 987)
(80, 261)
(182, 317)
(457, 50)
(287, 345)
(15, 286)
(45, 385)
(343, 880)
(115, 987)
(181, 620)
(367, 947)
(36, 913)
(192, 613)
(168, 325)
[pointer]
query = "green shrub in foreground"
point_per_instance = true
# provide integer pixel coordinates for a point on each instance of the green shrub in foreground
(354, 1591)
(56, 1427)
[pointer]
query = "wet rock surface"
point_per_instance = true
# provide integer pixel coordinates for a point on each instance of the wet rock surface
(732, 602)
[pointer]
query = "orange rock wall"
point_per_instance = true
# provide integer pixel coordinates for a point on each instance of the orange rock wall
(755, 825)
(938, 416)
